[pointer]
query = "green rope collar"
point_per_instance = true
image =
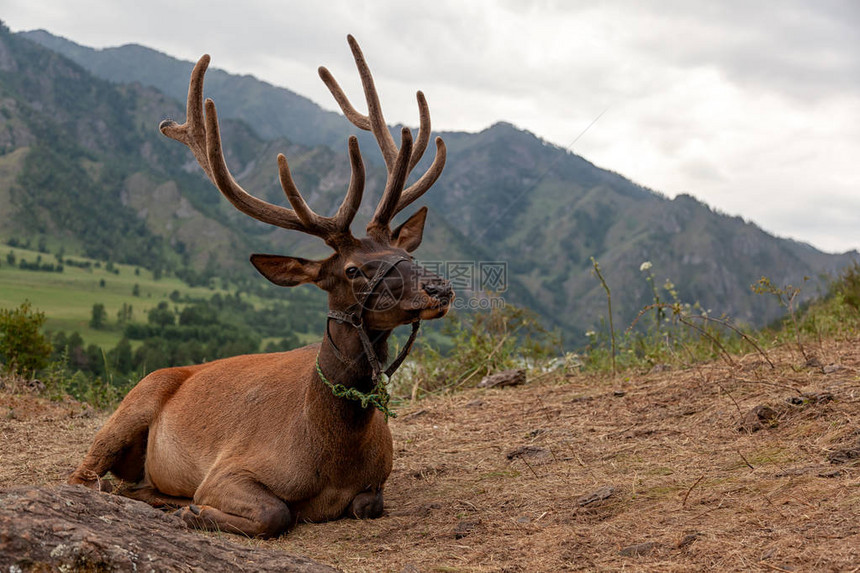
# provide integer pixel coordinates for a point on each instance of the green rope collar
(379, 397)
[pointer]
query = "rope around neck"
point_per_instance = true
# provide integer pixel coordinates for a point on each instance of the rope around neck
(379, 396)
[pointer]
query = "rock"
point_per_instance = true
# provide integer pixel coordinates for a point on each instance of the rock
(798, 471)
(413, 415)
(504, 378)
(72, 528)
(844, 455)
(533, 454)
(758, 418)
(424, 510)
(807, 399)
(688, 540)
(831, 368)
(598, 495)
(638, 549)
(429, 471)
(465, 527)
(35, 386)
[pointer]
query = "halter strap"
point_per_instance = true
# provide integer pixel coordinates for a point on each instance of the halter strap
(353, 317)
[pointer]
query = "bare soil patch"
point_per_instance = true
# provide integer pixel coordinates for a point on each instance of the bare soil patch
(710, 467)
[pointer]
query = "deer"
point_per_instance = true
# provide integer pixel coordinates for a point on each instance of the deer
(254, 444)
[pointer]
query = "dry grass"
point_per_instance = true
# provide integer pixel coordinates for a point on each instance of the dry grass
(497, 480)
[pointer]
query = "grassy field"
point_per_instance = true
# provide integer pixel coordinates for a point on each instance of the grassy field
(67, 298)
(716, 466)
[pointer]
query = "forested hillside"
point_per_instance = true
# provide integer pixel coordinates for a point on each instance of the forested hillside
(506, 196)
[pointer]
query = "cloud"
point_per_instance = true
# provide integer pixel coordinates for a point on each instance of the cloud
(753, 108)
(803, 50)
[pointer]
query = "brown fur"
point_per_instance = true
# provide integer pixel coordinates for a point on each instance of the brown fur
(252, 444)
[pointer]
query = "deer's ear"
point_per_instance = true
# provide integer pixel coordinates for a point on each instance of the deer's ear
(408, 235)
(287, 271)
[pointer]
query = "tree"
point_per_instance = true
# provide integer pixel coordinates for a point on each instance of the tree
(288, 342)
(77, 356)
(162, 315)
(124, 314)
(198, 315)
(98, 317)
(23, 348)
(122, 356)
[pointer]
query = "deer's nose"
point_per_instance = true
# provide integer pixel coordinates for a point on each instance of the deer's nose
(439, 290)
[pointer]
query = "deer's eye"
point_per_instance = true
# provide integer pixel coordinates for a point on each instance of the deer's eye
(352, 272)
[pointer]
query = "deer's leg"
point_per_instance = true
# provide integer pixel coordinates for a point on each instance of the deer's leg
(237, 504)
(120, 446)
(147, 493)
(366, 505)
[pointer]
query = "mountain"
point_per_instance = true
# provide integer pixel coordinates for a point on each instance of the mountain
(240, 97)
(84, 170)
(506, 196)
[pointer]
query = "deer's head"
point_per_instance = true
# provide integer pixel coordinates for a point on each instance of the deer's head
(372, 279)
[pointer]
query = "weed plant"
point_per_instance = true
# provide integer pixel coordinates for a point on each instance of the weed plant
(670, 331)
(483, 343)
(834, 315)
(99, 392)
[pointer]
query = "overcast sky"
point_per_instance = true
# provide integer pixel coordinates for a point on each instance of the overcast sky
(752, 107)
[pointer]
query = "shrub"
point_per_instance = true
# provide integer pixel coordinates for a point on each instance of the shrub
(23, 348)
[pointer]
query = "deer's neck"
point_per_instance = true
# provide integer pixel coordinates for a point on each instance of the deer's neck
(343, 357)
(343, 360)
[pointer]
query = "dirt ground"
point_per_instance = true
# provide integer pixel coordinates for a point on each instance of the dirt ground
(718, 467)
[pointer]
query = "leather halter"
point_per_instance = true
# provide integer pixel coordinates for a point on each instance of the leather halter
(353, 317)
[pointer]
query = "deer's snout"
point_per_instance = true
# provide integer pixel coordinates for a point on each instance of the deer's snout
(440, 290)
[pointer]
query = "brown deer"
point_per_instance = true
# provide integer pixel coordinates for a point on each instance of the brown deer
(252, 444)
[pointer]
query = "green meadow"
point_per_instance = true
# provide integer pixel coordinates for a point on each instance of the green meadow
(67, 298)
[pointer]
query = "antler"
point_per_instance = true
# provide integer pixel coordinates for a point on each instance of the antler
(201, 134)
(399, 162)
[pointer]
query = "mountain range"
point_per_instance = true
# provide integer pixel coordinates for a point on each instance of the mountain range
(82, 163)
